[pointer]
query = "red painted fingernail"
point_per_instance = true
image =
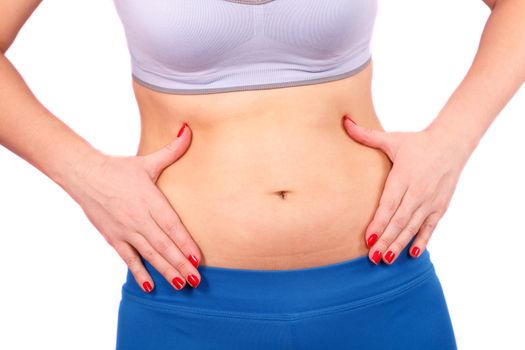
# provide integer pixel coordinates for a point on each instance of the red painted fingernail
(182, 129)
(415, 251)
(194, 261)
(349, 118)
(178, 282)
(376, 257)
(371, 240)
(147, 286)
(389, 256)
(194, 281)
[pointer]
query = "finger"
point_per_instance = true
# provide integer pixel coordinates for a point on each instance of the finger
(170, 251)
(167, 219)
(425, 232)
(132, 260)
(149, 253)
(160, 159)
(406, 235)
(391, 197)
(368, 136)
(409, 204)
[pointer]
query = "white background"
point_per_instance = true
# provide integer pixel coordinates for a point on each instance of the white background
(60, 280)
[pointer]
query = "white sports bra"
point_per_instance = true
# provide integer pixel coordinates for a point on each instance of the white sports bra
(207, 46)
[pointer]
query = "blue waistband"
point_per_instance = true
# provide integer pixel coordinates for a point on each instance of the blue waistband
(284, 293)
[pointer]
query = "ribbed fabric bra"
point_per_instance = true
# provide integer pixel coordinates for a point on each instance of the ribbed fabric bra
(207, 46)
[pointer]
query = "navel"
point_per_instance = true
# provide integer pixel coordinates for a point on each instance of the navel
(283, 194)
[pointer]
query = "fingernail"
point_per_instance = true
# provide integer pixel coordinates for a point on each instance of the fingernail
(194, 281)
(182, 129)
(376, 257)
(371, 240)
(389, 256)
(178, 282)
(349, 118)
(193, 260)
(415, 251)
(147, 286)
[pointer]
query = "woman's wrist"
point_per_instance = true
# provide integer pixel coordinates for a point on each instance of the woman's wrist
(76, 168)
(456, 136)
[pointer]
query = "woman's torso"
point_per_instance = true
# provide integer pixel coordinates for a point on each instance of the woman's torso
(271, 180)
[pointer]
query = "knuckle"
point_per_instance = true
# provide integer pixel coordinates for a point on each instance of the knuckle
(438, 208)
(435, 216)
(441, 206)
(430, 225)
(184, 245)
(137, 218)
(399, 221)
(380, 221)
(411, 229)
(149, 253)
(163, 246)
(181, 265)
(171, 147)
(389, 204)
(384, 241)
(131, 260)
(133, 238)
(171, 227)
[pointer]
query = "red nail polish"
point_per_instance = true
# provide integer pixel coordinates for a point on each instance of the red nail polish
(147, 286)
(389, 256)
(349, 118)
(182, 129)
(193, 260)
(376, 257)
(194, 281)
(178, 282)
(415, 251)
(371, 240)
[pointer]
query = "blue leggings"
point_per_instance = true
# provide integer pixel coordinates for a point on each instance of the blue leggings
(348, 305)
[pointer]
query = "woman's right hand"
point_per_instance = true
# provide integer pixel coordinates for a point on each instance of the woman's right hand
(119, 196)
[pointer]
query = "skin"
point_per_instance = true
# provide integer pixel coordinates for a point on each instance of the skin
(251, 186)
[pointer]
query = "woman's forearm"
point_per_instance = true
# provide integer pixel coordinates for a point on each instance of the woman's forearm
(32, 132)
(496, 74)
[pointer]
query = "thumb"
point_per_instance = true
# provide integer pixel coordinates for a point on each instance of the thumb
(157, 161)
(365, 135)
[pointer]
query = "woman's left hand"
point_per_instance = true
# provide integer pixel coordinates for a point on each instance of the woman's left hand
(426, 166)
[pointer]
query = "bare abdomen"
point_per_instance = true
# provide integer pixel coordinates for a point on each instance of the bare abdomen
(276, 191)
